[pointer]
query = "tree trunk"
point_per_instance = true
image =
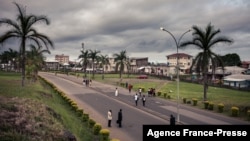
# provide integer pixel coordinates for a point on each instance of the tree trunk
(23, 61)
(205, 87)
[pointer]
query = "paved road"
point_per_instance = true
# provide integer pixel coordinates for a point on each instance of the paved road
(99, 98)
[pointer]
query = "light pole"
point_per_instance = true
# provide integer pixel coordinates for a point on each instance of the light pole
(177, 67)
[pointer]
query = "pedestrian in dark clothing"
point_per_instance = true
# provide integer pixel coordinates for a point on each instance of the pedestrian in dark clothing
(172, 120)
(119, 121)
(143, 100)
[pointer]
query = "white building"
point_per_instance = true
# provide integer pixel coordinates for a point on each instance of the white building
(185, 62)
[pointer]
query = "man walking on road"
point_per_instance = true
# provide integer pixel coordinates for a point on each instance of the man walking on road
(143, 100)
(172, 120)
(136, 99)
(109, 118)
(119, 121)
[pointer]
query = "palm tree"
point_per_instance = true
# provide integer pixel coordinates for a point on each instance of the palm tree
(23, 30)
(205, 40)
(121, 61)
(94, 56)
(11, 56)
(104, 59)
(35, 60)
(84, 56)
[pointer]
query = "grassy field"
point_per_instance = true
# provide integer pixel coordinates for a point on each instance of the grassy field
(42, 114)
(215, 95)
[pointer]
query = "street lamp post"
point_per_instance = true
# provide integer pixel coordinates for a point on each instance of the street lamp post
(177, 67)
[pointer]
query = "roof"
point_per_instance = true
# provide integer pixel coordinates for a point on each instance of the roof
(51, 61)
(179, 55)
(230, 69)
(237, 77)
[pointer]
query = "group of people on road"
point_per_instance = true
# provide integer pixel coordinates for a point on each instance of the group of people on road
(137, 97)
(86, 82)
(119, 118)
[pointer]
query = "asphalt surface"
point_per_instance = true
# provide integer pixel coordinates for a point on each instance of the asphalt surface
(97, 99)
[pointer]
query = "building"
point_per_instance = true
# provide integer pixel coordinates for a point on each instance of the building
(138, 63)
(245, 64)
(237, 81)
(51, 65)
(185, 62)
(62, 59)
(135, 63)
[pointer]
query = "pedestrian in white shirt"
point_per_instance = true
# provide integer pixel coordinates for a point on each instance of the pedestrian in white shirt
(136, 99)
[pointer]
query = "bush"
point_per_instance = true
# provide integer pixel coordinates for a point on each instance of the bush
(143, 89)
(169, 97)
(159, 93)
(206, 103)
(220, 107)
(184, 100)
(195, 101)
(235, 111)
(210, 106)
(85, 117)
(79, 112)
(248, 114)
(97, 128)
(122, 84)
(104, 134)
(165, 95)
(91, 123)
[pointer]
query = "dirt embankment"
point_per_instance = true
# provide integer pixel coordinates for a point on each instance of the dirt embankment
(26, 119)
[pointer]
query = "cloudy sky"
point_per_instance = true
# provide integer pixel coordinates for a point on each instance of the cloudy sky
(111, 26)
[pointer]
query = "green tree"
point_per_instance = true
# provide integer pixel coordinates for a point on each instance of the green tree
(23, 29)
(121, 61)
(35, 61)
(84, 56)
(104, 62)
(205, 40)
(94, 56)
(231, 59)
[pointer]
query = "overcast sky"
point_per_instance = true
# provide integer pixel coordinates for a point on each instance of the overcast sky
(111, 26)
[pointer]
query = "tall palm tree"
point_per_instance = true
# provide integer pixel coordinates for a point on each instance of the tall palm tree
(205, 40)
(23, 29)
(35, 60)
(121, 61)
(94, 56)
(84, 56)
(104, 59)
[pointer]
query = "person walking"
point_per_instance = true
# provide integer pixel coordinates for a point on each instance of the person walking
(172, 120)
(129, 88)
(119, 120)
(116, 92)
(140, 91)
(109, 118)
(143, 100)
(136, 99)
